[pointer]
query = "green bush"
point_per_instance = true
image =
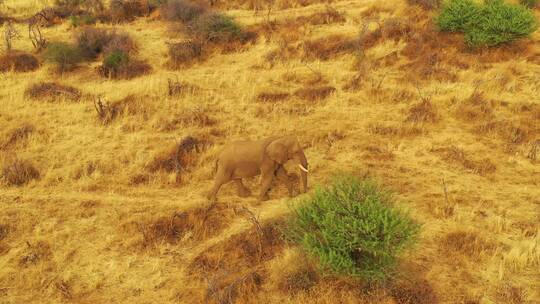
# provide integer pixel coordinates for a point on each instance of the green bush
(487, 25)
(63, 55)
(458, 15)
(529, 3)
(115, 60)
(352, 229)
(217, 28)
(500, 23)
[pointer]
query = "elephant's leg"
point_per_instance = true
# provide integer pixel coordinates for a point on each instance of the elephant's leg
(282, 175)
(242, 190)
(267, 175)
(221, 179)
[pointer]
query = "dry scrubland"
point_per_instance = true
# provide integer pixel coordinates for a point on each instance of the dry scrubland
(455, 134)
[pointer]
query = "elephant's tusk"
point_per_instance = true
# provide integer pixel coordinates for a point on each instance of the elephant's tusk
(303, 169)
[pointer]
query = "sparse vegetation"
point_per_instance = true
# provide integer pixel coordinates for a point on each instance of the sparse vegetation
(352, 229)
(52, 91)
(63, 55)
(18, 172)
(217, 28)
(182, 10)
(18, 62)
(489, 24)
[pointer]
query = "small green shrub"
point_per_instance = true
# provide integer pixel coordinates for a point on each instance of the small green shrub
(118, 64)
(352, 229)
(63, 55)
(486, 25)
(458, 15)
(217, 28)
(529, 3)
(114, 61)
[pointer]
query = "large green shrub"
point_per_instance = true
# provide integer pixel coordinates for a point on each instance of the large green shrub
(486, 25)
(63, 55)
(352, 229)
(217, 28)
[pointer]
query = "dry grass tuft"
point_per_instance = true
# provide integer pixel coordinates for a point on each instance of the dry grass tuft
(34, 253)
(508, 293)
(272, 96)
(244, 250)
(328, 47)
(418, 291)
(18, 62)
(16, 135)
(467, 243)
(475, 108)
(52, 91)
(129, 105)
(401, 130)
(292, 272)
(423, 112)
(178, 88)
(19, 172)
(199, 117)
(197, 224)
(511, 132)
(314, 93)
(453, 154)
(233, 288)
(329, 16)
(425, 4)
(132, 69)
(184, 54)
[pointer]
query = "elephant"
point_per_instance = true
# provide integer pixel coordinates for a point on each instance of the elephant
(243, 159)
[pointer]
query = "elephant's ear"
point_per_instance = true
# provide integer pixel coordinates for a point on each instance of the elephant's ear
(277, 152)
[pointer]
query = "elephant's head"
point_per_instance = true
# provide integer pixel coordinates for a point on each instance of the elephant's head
(287, 148)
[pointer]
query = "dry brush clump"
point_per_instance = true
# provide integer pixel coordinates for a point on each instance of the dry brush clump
(34, 253)
(129, 105)
(184, 54)
(196, 225)
(314, 93)
(413, 291)
(18, 62)
(456, 155)
(422, 112)
(11, 138)
(52, 91)
(476, 108)
(468, 243)
(273, 96)
(177, 88)
(18, 172)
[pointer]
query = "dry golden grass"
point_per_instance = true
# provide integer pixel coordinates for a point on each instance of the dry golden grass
(102, 214)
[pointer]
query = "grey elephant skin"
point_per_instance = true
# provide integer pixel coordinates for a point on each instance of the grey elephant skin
(243, 159)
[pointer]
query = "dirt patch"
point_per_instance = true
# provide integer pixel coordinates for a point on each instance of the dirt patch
(18, 62)
(52, 91)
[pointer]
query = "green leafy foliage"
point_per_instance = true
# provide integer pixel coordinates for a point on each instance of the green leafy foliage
(351, 228)
(63, 55)
(115, 60)
(487, 25)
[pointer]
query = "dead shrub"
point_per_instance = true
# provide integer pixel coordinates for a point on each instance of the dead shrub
(453, 154)
(197, 224)
(511, 132)
(190, 117)
(184, 54)
(329, 16)
(129, 105)
(127, 10)
(93, 41)
(241, 251)
(511, 294)
(328, 47)
(390, 29)
(475, 108)
(4, 231)
(416, 291)
(180, 158)
(423, 112)
(119, 41)
(52, 91)
(34, 253)
(19, 172)
(314, 93)
(403, 130)
(182, 10)
(18, 62)
(468, 243)
(223, 289)
(272, 96)
(178, 88)
(16, 135)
